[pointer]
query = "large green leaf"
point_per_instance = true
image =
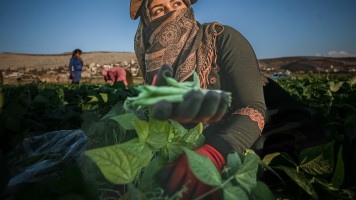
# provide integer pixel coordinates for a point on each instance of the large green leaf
(246, 176)
(234, 193)
(318, 160)
(300, 179)
(127, 121)
(121, 163)
(203, 168)
(262, 192)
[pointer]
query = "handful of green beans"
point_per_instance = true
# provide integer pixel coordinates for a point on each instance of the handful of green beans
(150, 95)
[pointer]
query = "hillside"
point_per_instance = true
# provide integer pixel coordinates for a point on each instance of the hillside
(308, 64)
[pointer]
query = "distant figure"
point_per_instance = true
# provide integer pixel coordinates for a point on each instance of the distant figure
(76, 66)
(116, 74)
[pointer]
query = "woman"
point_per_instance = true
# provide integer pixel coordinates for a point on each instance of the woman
(168, 34)
(76, 66)
(117, 74)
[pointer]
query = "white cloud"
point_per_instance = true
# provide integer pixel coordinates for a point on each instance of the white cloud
(318, 54)
(339, 54)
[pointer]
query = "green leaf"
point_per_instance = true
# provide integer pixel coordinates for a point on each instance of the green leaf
(262, 192)
(246, 176)
(94, 99)
(127, 121)
(352, 81)
(158, 134)
(178, 138)
(134, 193)
(148, 182)
(300, 179)
(193, 134)
(335, 87)
(233, 164)
(104, 96)
(234, 193)
(339, 173)
(178, 128)
(142, 129)
(121, 163)
(116, 110)
(203, 168)
(281, 158)
(40, 99)
(318, 160)
(268, 158)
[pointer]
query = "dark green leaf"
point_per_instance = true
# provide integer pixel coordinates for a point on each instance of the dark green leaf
(148, 182)
(234, 193)
(134, 193)
(318, 160)
(300, 179)
(127, 121)
(246, 176)
(203, 168)
(233, 164)
(262, 192)
(339, 172)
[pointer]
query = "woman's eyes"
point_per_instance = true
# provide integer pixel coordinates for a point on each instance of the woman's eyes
(161, 10)
(177, 4)
(158, 11)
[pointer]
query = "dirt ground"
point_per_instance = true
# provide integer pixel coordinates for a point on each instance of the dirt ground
(9, 60)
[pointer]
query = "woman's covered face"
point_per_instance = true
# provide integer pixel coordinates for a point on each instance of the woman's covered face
(159, 8)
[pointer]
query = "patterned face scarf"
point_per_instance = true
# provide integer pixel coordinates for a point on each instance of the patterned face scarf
(178, 40)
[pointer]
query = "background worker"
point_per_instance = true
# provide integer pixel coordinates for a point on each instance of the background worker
(76, 66)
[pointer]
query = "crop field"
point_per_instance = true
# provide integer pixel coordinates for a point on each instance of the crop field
(124, 151)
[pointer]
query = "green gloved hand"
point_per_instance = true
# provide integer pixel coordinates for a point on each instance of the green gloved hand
(196, 107)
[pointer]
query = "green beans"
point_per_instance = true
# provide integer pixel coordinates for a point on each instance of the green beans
(174, 93)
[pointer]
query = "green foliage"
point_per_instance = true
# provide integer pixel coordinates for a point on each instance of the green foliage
(121, 163)
(34, 109)
(239, 179)
(320, 172)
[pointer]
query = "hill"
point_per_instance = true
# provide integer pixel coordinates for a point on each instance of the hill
(308, 64)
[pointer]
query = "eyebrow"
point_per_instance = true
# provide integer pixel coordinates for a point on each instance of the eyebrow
(158, 5)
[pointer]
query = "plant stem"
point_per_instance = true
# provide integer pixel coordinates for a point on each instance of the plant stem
(215, 189)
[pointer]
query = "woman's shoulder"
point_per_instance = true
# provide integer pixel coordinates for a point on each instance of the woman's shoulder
(228, 33)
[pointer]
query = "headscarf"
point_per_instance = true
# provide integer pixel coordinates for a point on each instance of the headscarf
(178, 40)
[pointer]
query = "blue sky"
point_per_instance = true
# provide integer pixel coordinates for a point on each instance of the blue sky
(275, 28)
